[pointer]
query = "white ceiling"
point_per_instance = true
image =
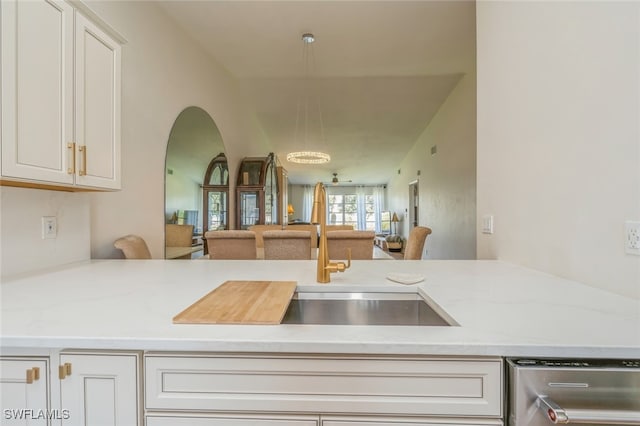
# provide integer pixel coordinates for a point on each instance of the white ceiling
(381, 70)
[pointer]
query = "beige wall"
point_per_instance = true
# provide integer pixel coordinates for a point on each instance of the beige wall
(163, 72)
(22, 248)
(182, 193)
(447, 180)
(559, 137)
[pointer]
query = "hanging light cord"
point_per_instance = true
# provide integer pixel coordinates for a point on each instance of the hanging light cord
(308, 157)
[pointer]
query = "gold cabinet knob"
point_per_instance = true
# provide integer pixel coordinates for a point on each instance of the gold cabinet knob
(33, 374)
(64, 370)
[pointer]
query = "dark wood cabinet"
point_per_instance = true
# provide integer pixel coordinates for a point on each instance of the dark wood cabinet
(257, 192)
(215, 189)
(283, 195)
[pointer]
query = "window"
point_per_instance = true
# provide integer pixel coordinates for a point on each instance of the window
(385, 222)
(343, 210)
(216, 209)
(370, 213)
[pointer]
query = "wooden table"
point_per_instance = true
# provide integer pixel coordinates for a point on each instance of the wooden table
(176, 252)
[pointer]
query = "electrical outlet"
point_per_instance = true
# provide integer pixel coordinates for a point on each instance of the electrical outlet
(487, 224)
(49, 227)
(632, 237)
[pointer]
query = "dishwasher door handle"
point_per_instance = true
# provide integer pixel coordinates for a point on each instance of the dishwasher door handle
(558, 415)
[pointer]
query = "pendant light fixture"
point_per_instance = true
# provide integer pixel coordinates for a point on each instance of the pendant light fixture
(307, 156)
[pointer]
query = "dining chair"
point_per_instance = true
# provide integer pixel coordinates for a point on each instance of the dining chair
(133, 247)
(179, 236)
(231, 244)
(259, 230)
(415, 243)
(313, 231)
(284, 244)
(329, 228)
(360, 243)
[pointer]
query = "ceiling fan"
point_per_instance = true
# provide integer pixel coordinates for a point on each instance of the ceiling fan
(336, 181)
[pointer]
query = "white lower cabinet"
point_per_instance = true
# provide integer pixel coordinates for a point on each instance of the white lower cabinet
(385, 421)
(24, 391)
(100, 389)
(384, 391)
(233, 420)
(85, 389)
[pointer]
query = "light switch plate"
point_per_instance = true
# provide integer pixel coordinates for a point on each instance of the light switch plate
(487, 224)
(632, 237)
(49, 227)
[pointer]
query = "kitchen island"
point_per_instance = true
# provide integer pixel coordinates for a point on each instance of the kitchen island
(501, 309)
(119, 309)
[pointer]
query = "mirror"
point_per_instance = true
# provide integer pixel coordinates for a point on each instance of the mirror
(193, 142)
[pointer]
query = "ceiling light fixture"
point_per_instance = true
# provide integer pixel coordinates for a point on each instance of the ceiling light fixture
(307, 156)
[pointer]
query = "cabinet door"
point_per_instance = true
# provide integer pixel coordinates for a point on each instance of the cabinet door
(249, 208)
(24, 392)
(37, 90)
(97, 106)
(100, 389)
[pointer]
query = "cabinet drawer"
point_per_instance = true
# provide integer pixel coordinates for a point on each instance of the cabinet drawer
(379, 421)
(231, 420)
(366, 385)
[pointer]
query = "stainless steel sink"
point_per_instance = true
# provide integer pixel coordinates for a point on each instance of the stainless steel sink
(366, 308)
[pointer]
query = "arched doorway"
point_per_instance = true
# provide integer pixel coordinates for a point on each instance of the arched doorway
(193, 142)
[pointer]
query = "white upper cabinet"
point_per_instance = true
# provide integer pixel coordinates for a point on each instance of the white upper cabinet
(97, 131)
(61, 97)
(37, 90)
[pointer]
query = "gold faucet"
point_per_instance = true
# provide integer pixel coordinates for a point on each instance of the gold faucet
(319, 216)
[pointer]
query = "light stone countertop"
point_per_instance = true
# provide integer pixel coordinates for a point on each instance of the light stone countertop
(502, 310)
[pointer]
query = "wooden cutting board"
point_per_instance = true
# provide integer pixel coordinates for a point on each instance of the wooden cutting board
(241, 302)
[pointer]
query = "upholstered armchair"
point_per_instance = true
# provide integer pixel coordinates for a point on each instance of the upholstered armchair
(394, 242)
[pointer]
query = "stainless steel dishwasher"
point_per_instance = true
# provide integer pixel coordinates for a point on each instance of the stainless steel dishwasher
(562, 391)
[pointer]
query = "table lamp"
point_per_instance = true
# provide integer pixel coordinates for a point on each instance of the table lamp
(394, 219)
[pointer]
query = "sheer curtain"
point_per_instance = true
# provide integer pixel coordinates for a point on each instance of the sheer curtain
(378, 205)
(361, 208)
(307, 203)
(331, 217)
